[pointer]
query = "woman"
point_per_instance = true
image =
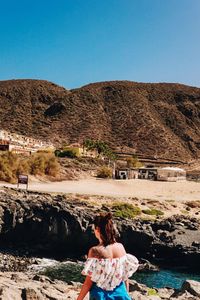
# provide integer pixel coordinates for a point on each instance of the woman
(108, 266)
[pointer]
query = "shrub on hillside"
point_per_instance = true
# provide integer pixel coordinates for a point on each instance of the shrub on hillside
(52, 166)
(104, 172)
(11, 165)
(68, 152)
(23, 166)
(132, 162)
(6, 174)
(41, 163)
(57, 153)
(37, 164)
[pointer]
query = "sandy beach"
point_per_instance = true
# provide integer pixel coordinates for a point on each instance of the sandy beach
(142, 189)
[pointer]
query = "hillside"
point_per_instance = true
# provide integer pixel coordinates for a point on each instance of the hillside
(155, 119)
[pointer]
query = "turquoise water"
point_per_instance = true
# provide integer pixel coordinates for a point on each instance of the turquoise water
(165, 278)
(170, 278)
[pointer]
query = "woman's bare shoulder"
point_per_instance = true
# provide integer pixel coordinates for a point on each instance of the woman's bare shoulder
(111, 251)
(94, 252)
(119, 245)
(118, 250)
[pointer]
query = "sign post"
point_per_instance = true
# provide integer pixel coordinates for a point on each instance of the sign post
(22, 179)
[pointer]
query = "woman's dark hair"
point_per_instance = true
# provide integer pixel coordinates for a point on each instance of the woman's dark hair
(107, 229)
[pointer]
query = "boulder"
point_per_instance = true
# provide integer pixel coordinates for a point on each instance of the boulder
(135, 286)
(146, 265)
(193, 287)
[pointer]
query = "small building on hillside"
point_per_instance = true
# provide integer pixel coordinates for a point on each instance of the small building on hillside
(126, 173)
(81, 151)
(147, 173)
(162, 174)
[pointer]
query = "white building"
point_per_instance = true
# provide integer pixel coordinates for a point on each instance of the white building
(171, 174)
(20, 144)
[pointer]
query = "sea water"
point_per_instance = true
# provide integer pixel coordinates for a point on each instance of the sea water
(165, 278)
(71, 271)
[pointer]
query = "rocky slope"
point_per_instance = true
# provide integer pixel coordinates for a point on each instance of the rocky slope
(155, 119)
(55, 225)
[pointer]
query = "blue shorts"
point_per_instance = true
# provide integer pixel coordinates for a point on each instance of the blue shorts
(119, 293)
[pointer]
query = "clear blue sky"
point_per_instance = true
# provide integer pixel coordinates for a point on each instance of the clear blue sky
(75, 42)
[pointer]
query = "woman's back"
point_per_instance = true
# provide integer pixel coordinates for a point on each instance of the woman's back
(108, 266)
(106, 271)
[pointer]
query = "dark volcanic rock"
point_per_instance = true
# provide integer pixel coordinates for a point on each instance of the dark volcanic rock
(53, 225)
(145, 265)
(193, 287)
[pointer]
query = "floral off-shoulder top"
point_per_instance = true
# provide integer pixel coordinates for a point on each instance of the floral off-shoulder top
(108, 273)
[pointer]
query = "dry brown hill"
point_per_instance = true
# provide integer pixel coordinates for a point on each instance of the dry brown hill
(156, 119)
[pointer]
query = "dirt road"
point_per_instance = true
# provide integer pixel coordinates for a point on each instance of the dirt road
(143, 189)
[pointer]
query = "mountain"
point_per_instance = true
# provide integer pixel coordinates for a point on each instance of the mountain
(160, 119)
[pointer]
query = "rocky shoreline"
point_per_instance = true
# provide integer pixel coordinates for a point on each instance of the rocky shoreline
(21, 286)
(50, 225)
(53, 225)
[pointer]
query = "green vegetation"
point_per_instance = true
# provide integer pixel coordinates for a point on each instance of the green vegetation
(126, 210)
(11, 165)
(101, 147)
(65, 271)
(152, 292)
(132, 162)
(71, 152)
(153, 212)
(184, 212)
(104, 172)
